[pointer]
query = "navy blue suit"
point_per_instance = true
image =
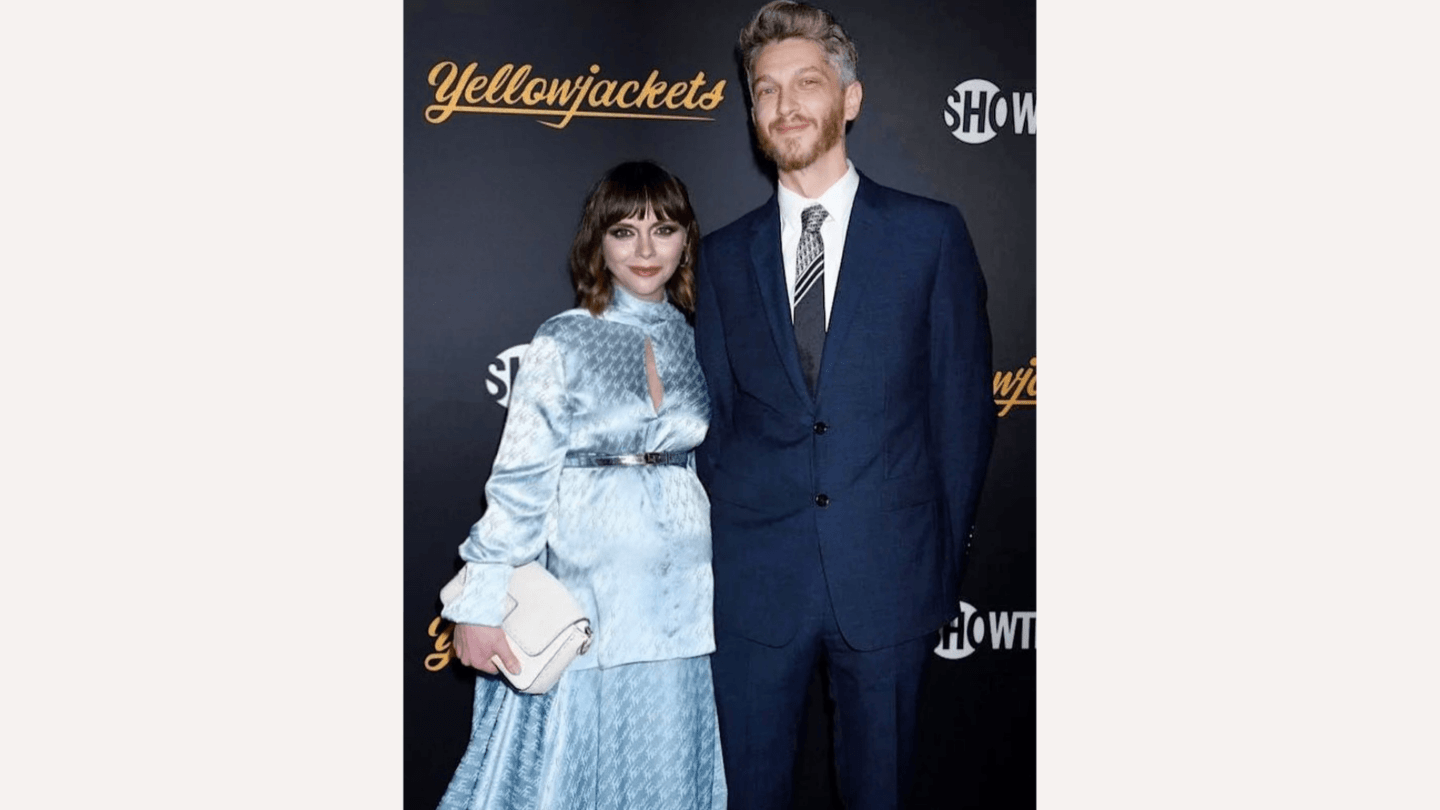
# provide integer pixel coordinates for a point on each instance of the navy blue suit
(840, 520)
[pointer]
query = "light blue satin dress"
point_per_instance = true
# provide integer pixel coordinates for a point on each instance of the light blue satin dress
(631, 723)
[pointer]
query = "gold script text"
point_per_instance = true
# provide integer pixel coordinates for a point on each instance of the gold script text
(511, 89)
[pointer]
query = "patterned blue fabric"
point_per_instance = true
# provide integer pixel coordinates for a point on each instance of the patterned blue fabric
(634, 736)
(631, 543)
(632, 723)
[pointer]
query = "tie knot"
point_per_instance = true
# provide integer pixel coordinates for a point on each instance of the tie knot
(812, 217)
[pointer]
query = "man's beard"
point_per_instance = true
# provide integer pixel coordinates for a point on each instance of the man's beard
(830, 131)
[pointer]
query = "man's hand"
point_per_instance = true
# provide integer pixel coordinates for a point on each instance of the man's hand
(476, 644)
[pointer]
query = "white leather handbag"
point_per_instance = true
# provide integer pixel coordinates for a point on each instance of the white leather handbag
(544, 624)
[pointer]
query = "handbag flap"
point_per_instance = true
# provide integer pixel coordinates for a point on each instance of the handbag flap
(543, 608)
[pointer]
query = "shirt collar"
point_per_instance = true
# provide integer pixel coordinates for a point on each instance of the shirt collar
(838, 199)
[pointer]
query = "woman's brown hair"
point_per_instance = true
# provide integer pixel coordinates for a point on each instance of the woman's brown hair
(629, 190)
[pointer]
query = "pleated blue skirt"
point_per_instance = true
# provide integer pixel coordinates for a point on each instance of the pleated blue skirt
(632, 736)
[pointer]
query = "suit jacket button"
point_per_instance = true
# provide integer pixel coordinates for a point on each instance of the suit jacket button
(820, 428)
(822, 500)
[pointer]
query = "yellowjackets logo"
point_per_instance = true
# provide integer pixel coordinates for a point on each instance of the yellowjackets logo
(443, 632)
(512, 90)
(1015, 388)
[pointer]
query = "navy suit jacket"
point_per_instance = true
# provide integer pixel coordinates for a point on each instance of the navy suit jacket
(883, 466)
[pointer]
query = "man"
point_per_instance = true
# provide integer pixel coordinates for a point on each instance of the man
(842, 330)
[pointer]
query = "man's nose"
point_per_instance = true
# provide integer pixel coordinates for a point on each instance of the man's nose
(784, 102)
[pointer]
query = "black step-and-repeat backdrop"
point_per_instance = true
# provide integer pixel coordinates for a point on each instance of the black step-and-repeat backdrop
(511, 112)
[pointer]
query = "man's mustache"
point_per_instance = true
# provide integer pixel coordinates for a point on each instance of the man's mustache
(790, 122)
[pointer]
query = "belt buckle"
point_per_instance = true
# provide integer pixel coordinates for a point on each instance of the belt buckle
(653, 458)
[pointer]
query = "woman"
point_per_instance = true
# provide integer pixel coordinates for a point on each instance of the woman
(595, 478)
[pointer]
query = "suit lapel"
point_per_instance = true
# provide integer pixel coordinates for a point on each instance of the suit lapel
(859, 266)
(769, 269)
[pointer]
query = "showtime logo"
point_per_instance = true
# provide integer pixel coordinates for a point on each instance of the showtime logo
(968, 631)
(976, 110)
(502, 373)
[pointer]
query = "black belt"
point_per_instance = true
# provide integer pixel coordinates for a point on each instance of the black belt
(627, 460)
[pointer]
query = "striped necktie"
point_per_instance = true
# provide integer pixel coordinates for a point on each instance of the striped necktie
(810, 294)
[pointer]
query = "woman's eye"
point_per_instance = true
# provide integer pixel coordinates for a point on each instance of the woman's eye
(666, 230)
(620, 233)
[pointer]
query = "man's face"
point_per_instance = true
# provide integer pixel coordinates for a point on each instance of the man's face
(800, 109)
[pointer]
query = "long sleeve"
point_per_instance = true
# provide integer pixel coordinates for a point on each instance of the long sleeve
(962, 407)
(521, 493)
(715, 360)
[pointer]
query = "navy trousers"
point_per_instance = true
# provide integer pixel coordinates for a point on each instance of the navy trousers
(760, 693)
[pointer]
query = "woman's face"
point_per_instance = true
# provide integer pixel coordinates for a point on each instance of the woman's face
(643, 253)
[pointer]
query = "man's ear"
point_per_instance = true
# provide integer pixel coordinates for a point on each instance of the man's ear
(854, 96)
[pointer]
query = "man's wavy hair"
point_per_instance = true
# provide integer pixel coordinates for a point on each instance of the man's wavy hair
(629, 190)
(784, 19)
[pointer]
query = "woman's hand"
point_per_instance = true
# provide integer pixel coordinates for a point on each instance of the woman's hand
(476, 644)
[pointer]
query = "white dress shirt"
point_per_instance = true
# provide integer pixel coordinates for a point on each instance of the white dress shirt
(838, 200)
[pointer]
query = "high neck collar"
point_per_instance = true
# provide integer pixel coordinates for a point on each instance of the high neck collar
(626, 308)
